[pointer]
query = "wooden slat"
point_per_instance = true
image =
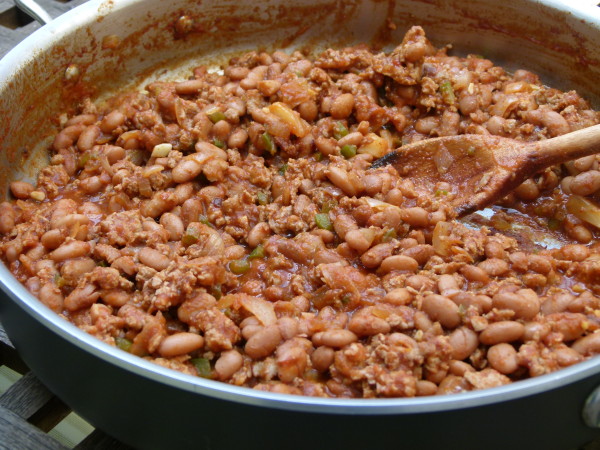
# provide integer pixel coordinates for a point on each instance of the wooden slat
(50, 415)
(99, 440)
(26, 396)
(16, 433)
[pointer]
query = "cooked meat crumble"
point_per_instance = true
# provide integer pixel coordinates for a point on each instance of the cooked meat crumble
(230, 226)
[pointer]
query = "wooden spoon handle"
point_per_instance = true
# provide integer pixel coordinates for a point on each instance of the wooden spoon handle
(567, 147)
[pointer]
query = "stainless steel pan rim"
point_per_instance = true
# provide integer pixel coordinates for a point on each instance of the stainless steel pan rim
(86, 14)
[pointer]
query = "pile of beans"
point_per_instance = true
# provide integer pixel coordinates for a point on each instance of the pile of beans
(229, 226)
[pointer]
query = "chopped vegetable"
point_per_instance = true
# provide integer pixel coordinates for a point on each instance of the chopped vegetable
(553, 223)
(322, 220)
(268, 143)
(202, 366)
(328, 205)
(258, 252)
(388, 235)
(283, 169)
(123, 344)
(204, 220)
(447, 92)
(318, 156)
(216, 291)
(59, 281)
(584, 209)
(215, 115)
(298, 126)
(38, 195)
(239, 266)
(375, 145)
(191, 235)
(348, 151)
(263, 198)
(339, 130)
(442, 159)
(263, 310)
(219, 143)
(161, 150)
(83, 160)
(136, 156)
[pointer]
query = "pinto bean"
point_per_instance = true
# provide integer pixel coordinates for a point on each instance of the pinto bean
(81, 297)
(494, 267)
(425, 388)
(375, 256)
(238, 138)
(342, 106)
(7, 218)
(527, 190)
(87, 138)
(51, 296)
(112, 121)
(73, 269)
(463, 342)
(447, 284)
(69, 250)
(586, 183)
(475, 274)
(322, 358)
(258, 234)
(115, 297)
(574, 252)
(536, 331)
(174, 226)
(416, 216)
(360, 239)
(441, 309)
(503, 358)
(336, 338)
(503, 331)
(52, 239)
(228, 363)
(180, 344)
(525, 304)
(398, 297)
(67, 136)
(186, 170)
(153, 258)
(459, 368)
(367, 324)
(588, 345)
(264, 342)
(21, 189)
(400, 263)
(566, 356)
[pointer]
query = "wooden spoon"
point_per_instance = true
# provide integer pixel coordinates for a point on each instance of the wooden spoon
(482, 169)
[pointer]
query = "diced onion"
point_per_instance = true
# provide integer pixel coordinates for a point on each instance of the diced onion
(161, 150)
(584, 209)
(375, 145)
(441, 241)
(156, 168)
(442, 159)
(262, 309)
(298, 126)
(378, 204)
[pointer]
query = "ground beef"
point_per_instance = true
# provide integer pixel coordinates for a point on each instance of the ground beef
(230, 226)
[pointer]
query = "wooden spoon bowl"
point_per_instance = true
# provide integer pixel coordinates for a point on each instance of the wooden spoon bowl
(482, 169)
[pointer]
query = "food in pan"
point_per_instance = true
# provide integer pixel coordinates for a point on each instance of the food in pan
(229, 226)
